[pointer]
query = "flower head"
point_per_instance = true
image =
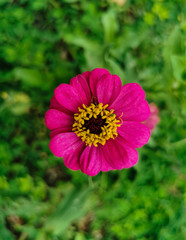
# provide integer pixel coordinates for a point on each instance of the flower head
(154, 118)
(96, 123)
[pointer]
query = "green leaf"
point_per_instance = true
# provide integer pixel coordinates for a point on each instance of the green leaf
(110, 25)
(71, 1)
(173, 46)
(33, 77)
(72, 208)
(4, 233)
(115, 68)
(81, 41)
(179, 67)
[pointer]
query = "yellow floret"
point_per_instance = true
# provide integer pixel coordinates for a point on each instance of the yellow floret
(109, 130)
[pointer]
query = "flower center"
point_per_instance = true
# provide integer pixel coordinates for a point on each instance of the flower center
(95, 124)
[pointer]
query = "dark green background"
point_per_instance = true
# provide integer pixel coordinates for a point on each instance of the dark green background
(46, 42)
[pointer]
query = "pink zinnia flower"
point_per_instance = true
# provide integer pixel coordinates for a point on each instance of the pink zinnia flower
(154, 118)
(96, 124)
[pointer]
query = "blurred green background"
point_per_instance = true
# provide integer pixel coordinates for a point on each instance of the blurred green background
(46, 42)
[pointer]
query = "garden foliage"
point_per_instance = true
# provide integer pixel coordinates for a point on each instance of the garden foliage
(46, 42)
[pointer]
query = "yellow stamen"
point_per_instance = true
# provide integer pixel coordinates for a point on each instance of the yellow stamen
(96, 113)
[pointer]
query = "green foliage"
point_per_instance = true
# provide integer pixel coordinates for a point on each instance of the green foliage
(44, 43)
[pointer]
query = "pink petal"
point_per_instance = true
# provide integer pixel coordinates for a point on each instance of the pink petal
(153, 108)
(108, 88)
(131, 103)
(90, 160)
(72, 160)
(152, 121)
(119, 155)
(55, 105)
(64, 144)
(154, 118)
(94, 77)
(60, 130)
(86, 75)
(68, 97)
(81, 85)
(132, 154)
(56, 119)
(105, 166)
(113, 155)
(136, 134)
